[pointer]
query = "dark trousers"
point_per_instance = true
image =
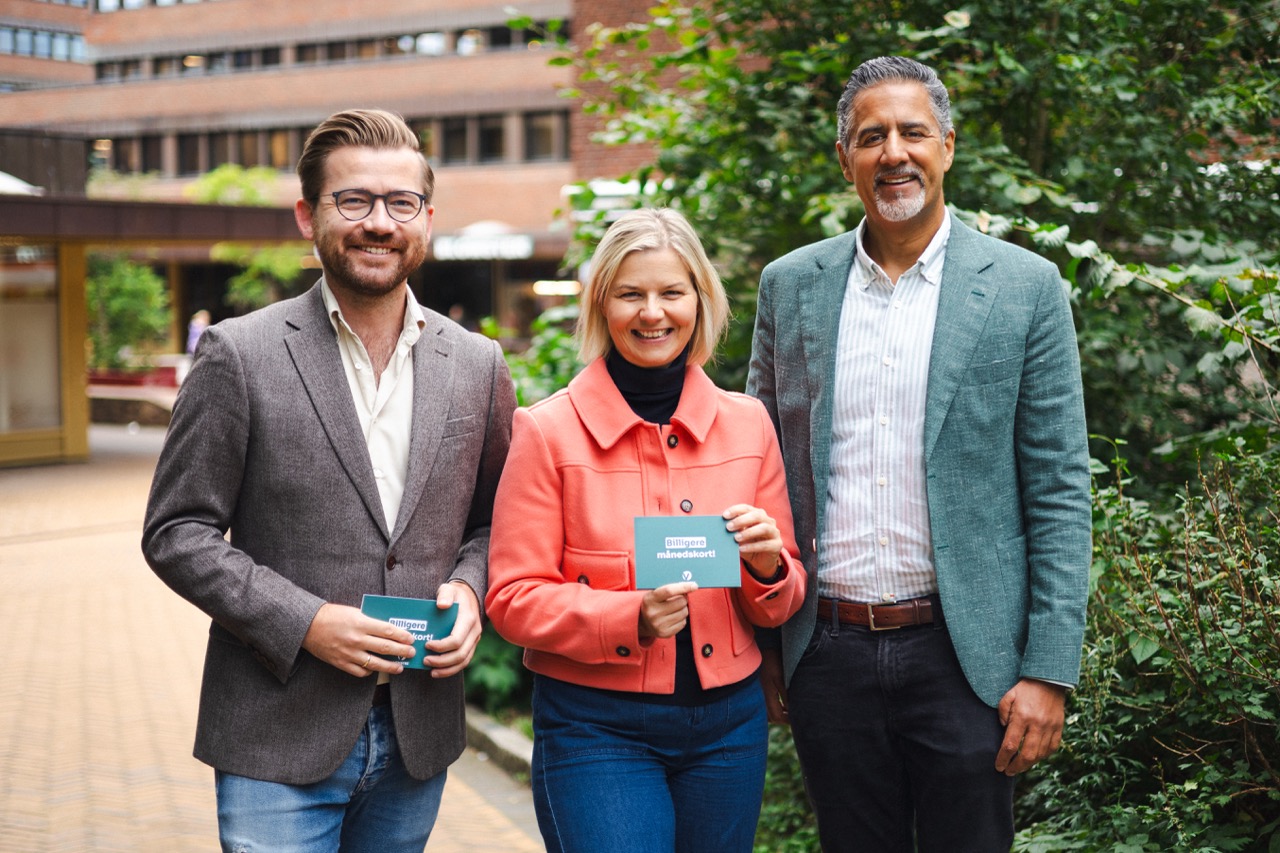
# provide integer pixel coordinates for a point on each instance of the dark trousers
(898, 752)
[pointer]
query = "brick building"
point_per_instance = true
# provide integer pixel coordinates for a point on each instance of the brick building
(155, 93)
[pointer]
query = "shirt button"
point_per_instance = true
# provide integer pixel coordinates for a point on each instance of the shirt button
(884, 421)
(884, 540)
(584, 579)
(686, 505)
(707, 650)
(673, 440)
(623, 651)
(882, 481)
(377, 473)
(887, 361)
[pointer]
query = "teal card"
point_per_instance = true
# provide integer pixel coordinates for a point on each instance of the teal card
(418, 616)
(674, 548)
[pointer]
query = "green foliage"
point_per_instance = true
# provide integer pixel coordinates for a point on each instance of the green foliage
(269, 273)
(496, 679)
(234, 184)
(1095, 116)
(786, 821)
(551, 358)
(128, 311)
(1173, 729)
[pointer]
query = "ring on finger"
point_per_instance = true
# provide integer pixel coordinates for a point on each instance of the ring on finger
(368, 659)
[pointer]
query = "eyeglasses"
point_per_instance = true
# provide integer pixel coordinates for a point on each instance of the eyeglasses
(401, 205)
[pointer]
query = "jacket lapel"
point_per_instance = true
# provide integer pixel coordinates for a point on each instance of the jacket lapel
(821, 297)
(433, 378)
(964, 303)
(313, 345)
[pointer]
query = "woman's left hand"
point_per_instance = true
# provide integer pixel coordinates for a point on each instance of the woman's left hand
(759, 540)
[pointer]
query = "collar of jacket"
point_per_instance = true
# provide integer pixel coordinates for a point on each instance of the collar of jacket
(608, 418)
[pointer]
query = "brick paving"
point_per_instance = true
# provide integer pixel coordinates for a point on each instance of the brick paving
(100, 671)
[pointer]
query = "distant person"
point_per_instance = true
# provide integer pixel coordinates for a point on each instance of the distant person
(351, 441)
(649, 723)
(926, 387)
(199, 322)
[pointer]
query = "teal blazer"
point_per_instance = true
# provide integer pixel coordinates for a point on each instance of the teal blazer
(1005, 447)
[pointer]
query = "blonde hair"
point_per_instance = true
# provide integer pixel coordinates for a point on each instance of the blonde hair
(642, 231)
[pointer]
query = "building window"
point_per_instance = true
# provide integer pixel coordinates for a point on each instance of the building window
(431, 44)
(242, 59)
(151, 160)
(544, 135)
(249, 156)
(492, 139)
(219, 149)
(61, 46)
(278, 149)
(307, 54)
(7, 40)
(131, 69)
(453, 147)
(188, 154)
(366, 49)
(217, 63)
(271, 56)
(165, 66)
(337, 51)
(24, 42)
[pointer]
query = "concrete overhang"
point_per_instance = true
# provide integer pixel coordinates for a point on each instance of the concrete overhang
(108, 221)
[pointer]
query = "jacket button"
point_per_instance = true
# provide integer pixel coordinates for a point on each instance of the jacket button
(623, 651)
(770, 596)
(707, 650)
(686, 505)
(672, 440)
(584, 579)
(391, 562)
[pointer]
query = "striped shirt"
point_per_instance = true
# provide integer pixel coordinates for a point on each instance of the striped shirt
(876, 542)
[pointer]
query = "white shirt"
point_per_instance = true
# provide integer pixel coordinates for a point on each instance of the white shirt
(876, 544)
(384, 404)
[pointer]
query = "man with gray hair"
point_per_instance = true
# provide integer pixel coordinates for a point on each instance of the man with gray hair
(350, 441)
(925, 384)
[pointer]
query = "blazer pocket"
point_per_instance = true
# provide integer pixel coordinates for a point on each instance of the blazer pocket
(597, 569)
(459, 426)
(992, 372)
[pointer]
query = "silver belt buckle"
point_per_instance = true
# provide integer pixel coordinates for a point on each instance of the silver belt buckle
(871, 620)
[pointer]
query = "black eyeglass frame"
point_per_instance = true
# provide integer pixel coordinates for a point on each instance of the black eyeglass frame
(372, 199)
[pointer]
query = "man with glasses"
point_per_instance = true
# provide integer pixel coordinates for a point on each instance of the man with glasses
(351, 441)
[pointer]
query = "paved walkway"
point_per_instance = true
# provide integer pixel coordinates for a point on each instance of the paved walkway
(100, 668)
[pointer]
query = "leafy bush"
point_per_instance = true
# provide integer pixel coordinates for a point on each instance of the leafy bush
(1172, 734)
(128, 311)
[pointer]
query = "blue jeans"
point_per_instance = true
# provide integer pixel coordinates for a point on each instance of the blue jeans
(897, 750)
(369, 805)
(627, 776)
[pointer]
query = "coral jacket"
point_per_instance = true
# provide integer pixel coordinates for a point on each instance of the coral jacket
(582, 465)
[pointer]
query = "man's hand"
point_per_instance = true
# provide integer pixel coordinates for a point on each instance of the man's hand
(1032, 713)
(344, 637)
(454, 652)
(774, 684)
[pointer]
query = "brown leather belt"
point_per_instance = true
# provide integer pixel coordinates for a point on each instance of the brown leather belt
(382, 694)
(880, 617)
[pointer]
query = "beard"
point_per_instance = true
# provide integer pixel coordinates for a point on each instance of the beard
(901, 209)
(342, 267)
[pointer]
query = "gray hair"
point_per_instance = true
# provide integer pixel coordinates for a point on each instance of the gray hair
(892, 69)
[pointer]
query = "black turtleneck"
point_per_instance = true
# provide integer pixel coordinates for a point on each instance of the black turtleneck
(652, 392)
